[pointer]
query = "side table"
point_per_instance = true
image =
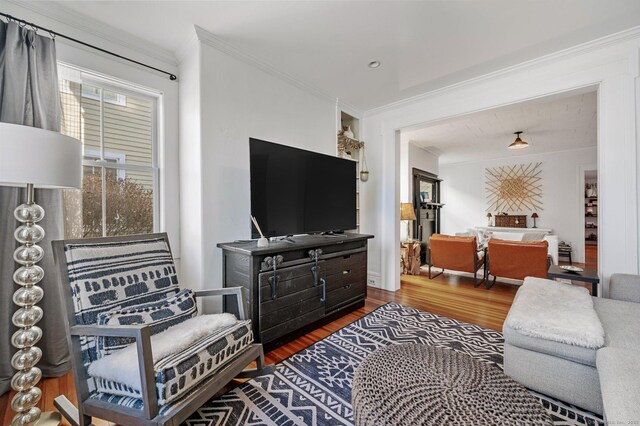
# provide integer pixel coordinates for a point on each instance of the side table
(410, 257)
(564, 250)
(587, 275)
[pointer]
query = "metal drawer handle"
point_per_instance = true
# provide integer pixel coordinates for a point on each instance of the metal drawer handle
(347, 287)
(346, 271)
(272, 283)
(323, 283)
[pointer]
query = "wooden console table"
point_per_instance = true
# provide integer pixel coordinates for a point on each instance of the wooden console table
(294, 286)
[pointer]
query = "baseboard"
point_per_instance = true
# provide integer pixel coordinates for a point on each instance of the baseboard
(374, 279)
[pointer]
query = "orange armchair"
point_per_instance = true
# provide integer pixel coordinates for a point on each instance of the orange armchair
(517, 259)
(456, 254)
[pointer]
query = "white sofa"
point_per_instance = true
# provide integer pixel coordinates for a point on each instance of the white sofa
(517, 234)
(605, 380)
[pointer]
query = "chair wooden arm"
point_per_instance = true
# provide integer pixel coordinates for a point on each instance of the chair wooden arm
(228, 291)
(107, 330)
(142, 335)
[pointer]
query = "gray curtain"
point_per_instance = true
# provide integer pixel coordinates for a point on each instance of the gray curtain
(29, 96)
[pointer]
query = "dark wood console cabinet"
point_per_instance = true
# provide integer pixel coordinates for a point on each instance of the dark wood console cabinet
(295, 286)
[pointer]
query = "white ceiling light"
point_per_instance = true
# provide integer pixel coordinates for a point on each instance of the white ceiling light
(374, 64)
(518, 143)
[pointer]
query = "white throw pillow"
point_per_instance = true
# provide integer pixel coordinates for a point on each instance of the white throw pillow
(509, 236)
(159, 315)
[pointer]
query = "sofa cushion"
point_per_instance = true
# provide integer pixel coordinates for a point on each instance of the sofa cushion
(159, 315)
(562, 350)
(533, 236)
(176, 373)
(508, 236)
(619, 373)
(621, 322)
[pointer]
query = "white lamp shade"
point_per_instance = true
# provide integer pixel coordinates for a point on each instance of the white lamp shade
(43, 158)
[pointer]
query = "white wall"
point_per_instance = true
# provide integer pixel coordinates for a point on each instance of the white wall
(238, 100)
(610, 63)
(190, 167)
(463, 192)
(414, 157)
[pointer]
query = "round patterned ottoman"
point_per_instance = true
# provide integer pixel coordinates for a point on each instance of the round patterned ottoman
(415, 384)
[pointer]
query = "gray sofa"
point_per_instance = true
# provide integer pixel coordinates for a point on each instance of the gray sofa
(605, 381)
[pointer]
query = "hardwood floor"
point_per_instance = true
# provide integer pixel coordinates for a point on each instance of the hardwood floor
(447, 295)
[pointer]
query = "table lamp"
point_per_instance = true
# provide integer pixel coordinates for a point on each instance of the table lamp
(489, 215)
(34, 158)
(534, 216)
(407, 213)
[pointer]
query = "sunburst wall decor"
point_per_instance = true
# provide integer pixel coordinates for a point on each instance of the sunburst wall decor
(514, 188)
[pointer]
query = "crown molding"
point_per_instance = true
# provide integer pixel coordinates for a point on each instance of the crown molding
(57, 11)
(427, 150)
(512, 158)
(349, 109)
(225, 47)
(587, 47)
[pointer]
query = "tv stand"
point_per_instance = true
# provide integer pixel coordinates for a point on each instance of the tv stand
(294, 288)
(286, 239)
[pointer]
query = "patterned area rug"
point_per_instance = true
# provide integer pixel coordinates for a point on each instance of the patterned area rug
(313, 387)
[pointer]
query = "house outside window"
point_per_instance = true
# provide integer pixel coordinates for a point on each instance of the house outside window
(116, 124)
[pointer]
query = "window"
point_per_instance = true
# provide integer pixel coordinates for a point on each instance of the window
(116, 124)
(110, 97)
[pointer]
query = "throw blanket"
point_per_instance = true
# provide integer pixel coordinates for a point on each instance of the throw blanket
(122, 365)
(556, 311)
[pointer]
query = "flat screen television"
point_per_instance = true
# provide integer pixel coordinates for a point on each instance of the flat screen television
(294, 191)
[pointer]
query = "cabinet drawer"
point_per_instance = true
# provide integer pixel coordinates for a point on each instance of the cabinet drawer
(336, 265)
(347, 276)
(345, 294)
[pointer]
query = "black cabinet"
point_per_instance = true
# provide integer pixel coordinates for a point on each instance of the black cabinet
(295, 286)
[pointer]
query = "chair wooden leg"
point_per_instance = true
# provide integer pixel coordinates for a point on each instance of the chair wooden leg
(70, 412)
(260, 370)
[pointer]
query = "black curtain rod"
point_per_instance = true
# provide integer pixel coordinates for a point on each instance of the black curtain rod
(56, 34)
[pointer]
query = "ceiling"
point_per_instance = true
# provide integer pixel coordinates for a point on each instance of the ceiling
(422, 45)
(551, 124)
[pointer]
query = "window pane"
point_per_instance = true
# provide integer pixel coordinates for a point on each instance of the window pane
(71, 109)
(92, 202)
(129, 202)
(91, 122)
(128, 129)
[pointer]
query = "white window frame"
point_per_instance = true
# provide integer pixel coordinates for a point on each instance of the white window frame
(124, 88)
(94, 155)
(120, 99)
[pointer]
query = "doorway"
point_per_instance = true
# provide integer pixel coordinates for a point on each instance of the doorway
(591, 219)
(426, 203)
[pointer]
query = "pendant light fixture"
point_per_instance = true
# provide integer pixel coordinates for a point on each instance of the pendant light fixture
(518, 143)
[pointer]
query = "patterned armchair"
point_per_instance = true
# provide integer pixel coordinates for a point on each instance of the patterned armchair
(140, 352)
